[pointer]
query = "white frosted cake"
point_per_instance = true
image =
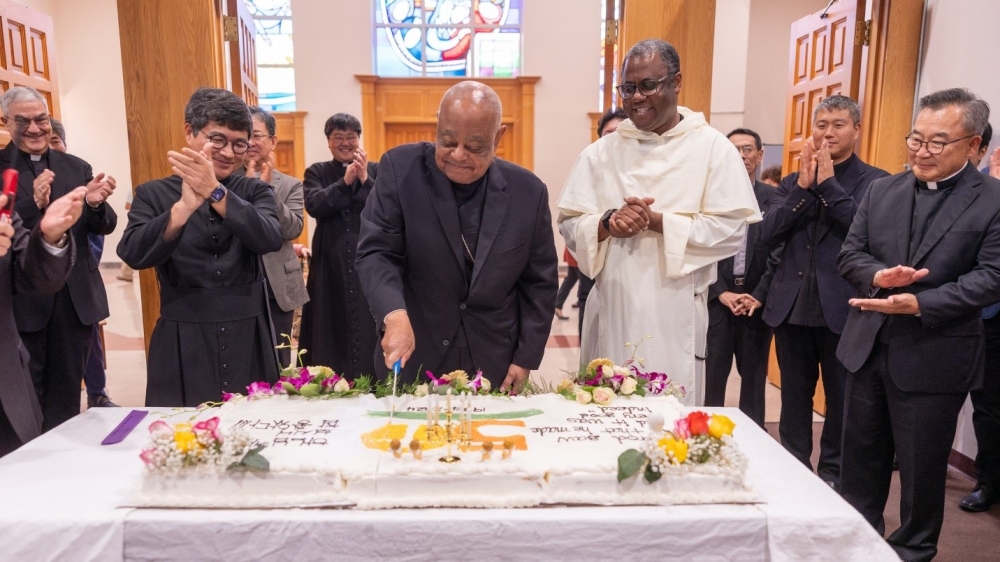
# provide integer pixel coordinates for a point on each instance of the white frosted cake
(544, 449)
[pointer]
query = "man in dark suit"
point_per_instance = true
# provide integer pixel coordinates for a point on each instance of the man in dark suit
(924, 251)
(456, 254)
(35, 261)
(57, 330)
(741, 288)
(807, 302)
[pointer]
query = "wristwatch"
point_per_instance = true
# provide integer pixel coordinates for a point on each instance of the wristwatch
(217, 194)
(606, 219)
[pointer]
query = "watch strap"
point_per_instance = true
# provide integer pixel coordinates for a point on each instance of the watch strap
(131, 421)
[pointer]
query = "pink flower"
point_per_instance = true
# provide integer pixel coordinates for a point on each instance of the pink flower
(329, 383)
(681, 429)
(261, 388)
(304, 378)
(160, 428)
(435, 381)
(227, 396)
(148, 456)
(480, 384)
(211, 425)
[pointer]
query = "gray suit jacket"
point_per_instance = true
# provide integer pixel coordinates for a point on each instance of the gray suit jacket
(284, 272)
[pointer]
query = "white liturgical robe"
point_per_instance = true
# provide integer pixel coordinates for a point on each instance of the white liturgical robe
(656, 284)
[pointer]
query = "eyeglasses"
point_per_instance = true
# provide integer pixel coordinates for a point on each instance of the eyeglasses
(219, 141)
(25, 122)
(746, 149)
(341, 139)
(934, 147)
(257, 137)
(647, 87)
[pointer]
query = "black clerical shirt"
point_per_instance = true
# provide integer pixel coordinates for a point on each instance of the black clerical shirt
(927, 201)
(470, 198)
(807, 310)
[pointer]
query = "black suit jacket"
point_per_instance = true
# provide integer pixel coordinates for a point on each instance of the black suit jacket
(26, 268)
(410, 256)
(759, 270)
(86, 288)
(942, 350)
(788, 224)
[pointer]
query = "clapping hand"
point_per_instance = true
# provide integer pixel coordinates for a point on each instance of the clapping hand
(266, 169)
(361, 163)
(196, 169)
(899, 276)
(807, 165)
(43, 188)
(824, 163)
(100, 188)
(62, 214)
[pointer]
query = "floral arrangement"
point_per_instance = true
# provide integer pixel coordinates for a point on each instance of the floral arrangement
(457, 381)
(697, 439)
(306, 381)
(201, 444)
(602, 380)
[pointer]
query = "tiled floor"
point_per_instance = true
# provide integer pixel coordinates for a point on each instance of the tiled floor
(127, 362)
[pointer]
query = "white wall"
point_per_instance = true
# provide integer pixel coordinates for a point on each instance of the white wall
(729, 64)
(947, 63)
(92, 95)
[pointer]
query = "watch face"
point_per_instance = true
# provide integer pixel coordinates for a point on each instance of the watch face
(218, 193)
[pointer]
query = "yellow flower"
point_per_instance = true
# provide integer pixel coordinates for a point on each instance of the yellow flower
(677, 447)
(186, 440)
(719, 426)
(593, 365)
(565, 385)
(457, 378)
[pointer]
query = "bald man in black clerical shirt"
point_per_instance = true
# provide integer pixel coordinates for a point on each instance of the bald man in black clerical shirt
(456, 255)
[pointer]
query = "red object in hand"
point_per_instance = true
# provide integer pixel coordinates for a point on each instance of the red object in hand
(10, 190)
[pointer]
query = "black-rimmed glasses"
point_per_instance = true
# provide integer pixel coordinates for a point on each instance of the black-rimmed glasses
(23, 123)
(933, 147)
(219, 142)
(647, 87)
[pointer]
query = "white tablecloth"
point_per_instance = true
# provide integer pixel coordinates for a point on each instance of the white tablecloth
(59, 498)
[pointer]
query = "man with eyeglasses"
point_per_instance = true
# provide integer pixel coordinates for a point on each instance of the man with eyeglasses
(923, 253)
(807, 301)
(338, 329)
(57, 328)
(204, 230)
(287, 290)
(649, 211)
(736, 295)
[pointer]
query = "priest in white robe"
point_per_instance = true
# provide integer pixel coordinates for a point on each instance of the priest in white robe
(648, 211)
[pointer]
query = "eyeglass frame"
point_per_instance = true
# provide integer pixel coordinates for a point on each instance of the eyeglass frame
(747, 149)
(638, 88)
(350, 139)
(23, 123)
(927, 144)
(226, 142)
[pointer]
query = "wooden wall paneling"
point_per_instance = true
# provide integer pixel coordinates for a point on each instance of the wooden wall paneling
(890, 82)
(594, 116)
(161, 70)
(26, 56)
(402, 110)
(688, 25)
(242, 53)
(290, 154)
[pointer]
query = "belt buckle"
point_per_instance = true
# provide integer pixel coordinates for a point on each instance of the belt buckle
(739, 281)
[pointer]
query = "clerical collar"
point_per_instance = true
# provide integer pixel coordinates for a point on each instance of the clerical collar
(843, 166)
(35, 157)
(946, 183)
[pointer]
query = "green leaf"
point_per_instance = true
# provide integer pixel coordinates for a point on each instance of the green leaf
(629, 463)
(255, 461)
(289, 388)
(234, 466)
(309, 390)
(640, 390)
(651, 475)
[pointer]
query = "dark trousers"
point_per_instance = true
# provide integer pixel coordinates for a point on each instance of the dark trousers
(586, 284)
(59, 352)
(94, 376)
(8, 437)
(281, 321)
(802, 350)
(750, 341)
(986, 409)
(572, 274)
(919, 428)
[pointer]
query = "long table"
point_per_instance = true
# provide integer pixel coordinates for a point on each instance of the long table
(60, 498)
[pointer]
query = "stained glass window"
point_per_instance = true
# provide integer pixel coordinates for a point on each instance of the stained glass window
(275, 55)
(476, 38)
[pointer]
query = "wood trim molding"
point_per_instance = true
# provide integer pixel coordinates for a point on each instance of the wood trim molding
(392, 103)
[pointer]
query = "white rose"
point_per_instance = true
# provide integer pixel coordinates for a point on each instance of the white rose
(628, 385)
(620, 371)
(583, 397)
(341, 386)
(486, 386)
(420, 390)
(603, 396)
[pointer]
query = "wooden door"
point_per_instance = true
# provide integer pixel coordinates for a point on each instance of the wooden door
(241, 42)
(26, 54)
(823, 61)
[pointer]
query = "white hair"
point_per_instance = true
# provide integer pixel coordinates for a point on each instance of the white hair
(19, 94)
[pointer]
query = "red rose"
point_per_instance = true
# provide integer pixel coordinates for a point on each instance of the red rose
(698, 423)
